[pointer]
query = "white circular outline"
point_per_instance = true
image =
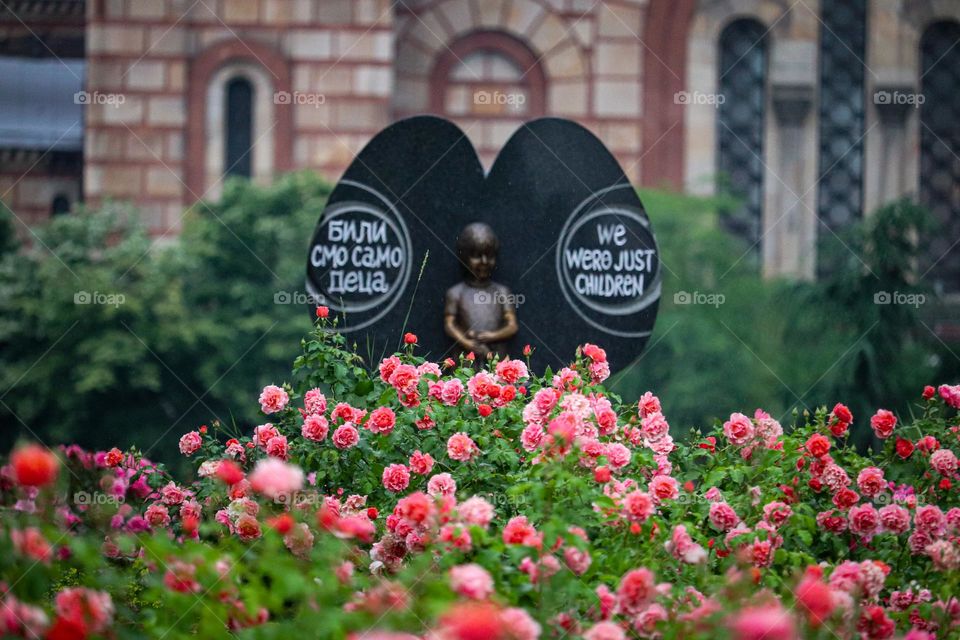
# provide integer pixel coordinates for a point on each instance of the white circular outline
(403, 233)
(655, 290)
(637, 304)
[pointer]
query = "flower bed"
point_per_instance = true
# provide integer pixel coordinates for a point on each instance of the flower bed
(449, 501)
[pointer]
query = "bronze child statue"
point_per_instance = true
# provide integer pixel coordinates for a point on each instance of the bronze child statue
(479, 313)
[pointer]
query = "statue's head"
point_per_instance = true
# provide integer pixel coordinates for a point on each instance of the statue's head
(477, 247)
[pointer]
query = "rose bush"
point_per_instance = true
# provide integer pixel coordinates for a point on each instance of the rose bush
(448, 500)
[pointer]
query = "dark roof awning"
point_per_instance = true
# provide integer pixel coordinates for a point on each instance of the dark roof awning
(39, 107)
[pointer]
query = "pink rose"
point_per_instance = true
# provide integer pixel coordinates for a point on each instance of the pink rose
(512, 371)
(442, 484)
(648, 404)
(471, 581)
(738, 429)
(157, 515)
(381, 420)
(190, 443)
(723, 517)
(605, 630)
(763, 621)
(262, 434)
(883, 422)
(460, 447)
(277, 447)
(314, 402)
(275, 479)
(315, 427)
(654, 426)
(273, 399)
(476, 511)
(345, 436)
(405, 379)
(638, 506)
(617, 455)
(396, 478)
(664, 488)
(578, 560)
(521, 625)
(944, 462)
(871, 482)
(895, 518)
(451, 392)
(864, 520)
(421, 463)
(531, 437)
(930, 520)
(387, 368)
(637, 589)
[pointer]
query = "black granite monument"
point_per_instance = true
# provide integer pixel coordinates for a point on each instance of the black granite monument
(564, 252)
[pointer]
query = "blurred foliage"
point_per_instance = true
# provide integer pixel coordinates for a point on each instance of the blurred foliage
(206, 321)
(784, 345)
(173, 336)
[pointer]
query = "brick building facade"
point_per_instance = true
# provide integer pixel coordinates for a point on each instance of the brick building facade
(782, 102)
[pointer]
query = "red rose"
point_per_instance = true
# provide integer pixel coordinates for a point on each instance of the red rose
(928, 392)
(602, 474)
(484, 410)
(410, 338)
(845, 498)
(323, 312)
(904, 448)
(372, 513)
(114, 457)
(839, 428)
(883, 422)
(527, 350)
(842, 413)
(818, 445)
(229, 472)
(34, 466)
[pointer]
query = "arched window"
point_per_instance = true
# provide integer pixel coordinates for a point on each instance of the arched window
(843, 43)
(740, 123)
(60, 205)
(489, 82)
(238, 128)
(940, 148)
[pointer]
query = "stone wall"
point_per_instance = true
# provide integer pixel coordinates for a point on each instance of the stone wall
(152, 142)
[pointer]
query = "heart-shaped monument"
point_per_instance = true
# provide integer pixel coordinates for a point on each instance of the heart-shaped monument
(565, 253)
